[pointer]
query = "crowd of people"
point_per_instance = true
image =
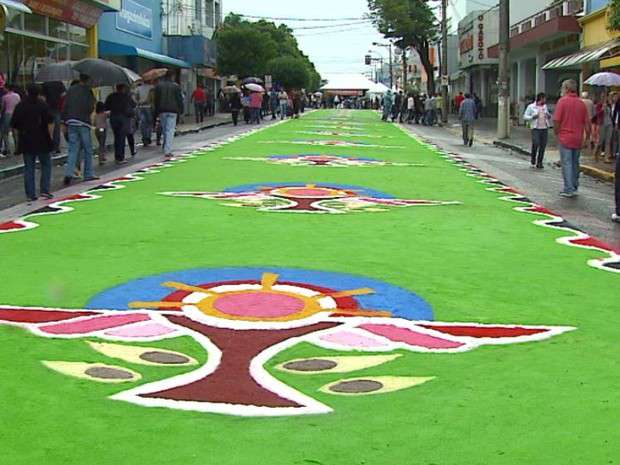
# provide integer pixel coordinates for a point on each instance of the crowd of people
(254, 106)
(33, 121)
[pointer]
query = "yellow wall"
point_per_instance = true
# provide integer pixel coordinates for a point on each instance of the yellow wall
(595, 29)
(93, 42)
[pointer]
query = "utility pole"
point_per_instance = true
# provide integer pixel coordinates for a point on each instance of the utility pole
(503, 101)
(444, 61)
(404, 60)
(391, 68)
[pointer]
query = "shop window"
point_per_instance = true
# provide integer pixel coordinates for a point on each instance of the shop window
(77, 52)
(77, 34)
(209, 13)
(58, 29)
(15, 20)
(35, 23)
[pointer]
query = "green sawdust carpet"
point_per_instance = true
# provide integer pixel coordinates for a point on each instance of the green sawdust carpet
(328, 290)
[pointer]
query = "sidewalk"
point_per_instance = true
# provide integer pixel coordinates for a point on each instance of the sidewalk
(14, 166)
(520, 142)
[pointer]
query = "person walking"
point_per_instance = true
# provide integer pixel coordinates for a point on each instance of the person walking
(101, 129)
(438, 107)
(79, 105)
(539, 119)
(235, 107)
(585, 98)
(256, 103)
(145, 112)
(9, 102)
(398, 102)
(457, 102)
(606, 130)
(387, 105)
(121, 108)
(410, 108)
(32, 119)
(467, 115)
(199, 98)
(168, 106)
(296, 100)
(571, 123)
(615, 217)
(53, 92)
(283, 97)
(210, 103)
(274, 103)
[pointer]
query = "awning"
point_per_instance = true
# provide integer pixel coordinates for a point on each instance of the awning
(15, 5)
(585, 55)
(107, 48)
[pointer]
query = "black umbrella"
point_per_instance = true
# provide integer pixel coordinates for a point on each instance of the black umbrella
(61, 71)
(105, 73)
(252, 80)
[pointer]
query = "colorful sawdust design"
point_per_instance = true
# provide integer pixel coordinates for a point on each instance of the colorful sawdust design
(332, 143)
(338, 161)
(309, 198)
(242, 324)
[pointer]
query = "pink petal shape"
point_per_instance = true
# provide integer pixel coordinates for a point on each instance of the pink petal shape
(141, 330)
(411, 337)
(351, 339)
(97, 323)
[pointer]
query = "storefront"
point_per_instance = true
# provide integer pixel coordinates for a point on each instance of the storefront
(55, 30)
(132, 37)
(476, 32)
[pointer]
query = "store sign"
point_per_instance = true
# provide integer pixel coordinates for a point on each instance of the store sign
(135, 19)
(481, 38)
(70, 11)
(466, 44)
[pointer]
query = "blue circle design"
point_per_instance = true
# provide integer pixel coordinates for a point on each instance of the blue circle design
(363, 191)
(401, 302)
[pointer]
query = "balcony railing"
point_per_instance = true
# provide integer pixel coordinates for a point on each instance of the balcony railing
(566, 8)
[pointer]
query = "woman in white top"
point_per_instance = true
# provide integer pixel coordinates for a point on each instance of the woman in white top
(539, 118)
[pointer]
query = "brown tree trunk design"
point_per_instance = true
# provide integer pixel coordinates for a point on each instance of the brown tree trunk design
(231, 382)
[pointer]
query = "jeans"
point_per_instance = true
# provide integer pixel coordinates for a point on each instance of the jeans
(468, 131)
(539, 144)
(255, 115)
(617, 186)
(30, 160)
(168, 125)
(430, 117)
(101, 134)
(146, 124)
(199, 108)
(79, 140)
(235, 116)
(5, 130)
(283, 110)
(120, 127)
(570, 168)
(56, 132)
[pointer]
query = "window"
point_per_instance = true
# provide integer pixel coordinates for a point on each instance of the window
(35, 23)
(58, 29)
(218, 14)
(15, 20)
(78, 52)
(209, 13)
(77, 34)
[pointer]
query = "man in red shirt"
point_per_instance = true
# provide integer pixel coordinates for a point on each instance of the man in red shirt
(571, 123)
(457, 101)
(199, 97)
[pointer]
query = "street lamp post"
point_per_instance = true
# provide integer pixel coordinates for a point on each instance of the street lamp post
(389, 46)
(375, 60)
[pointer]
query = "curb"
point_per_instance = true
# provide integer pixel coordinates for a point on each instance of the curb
(513, 147)
(598, 173)
(59, 160)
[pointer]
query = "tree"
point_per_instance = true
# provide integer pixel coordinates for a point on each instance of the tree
(411, 23)
(247, 48)
(614, 15)
(290, 72)
(243, 49)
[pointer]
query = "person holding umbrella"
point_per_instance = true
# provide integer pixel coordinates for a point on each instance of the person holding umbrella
(256, 103)
(77, 112)
(121, 107)
(168, 107)
(235, 106)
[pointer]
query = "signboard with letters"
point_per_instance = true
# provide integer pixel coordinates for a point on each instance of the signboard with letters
(74, 12)
(136, 19)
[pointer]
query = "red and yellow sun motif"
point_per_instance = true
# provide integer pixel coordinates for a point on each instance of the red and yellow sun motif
(266, 301)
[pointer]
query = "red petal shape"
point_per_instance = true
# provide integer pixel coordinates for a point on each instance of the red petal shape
(28, 315)
(10, 225)
(485, 331)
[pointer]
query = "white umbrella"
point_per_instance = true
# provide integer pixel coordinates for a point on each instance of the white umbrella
(254, 88)
(604, 80)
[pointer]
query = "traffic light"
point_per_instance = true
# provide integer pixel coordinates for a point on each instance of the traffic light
(368, 59)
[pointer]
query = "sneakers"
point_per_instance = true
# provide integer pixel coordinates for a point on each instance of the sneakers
(67, 180)
(568, 195)
(91, 178)
(47, 195)
(121, 162)
(615, 218)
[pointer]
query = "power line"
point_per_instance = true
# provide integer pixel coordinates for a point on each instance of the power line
(358, 29)
(302, 19)
(357, 23)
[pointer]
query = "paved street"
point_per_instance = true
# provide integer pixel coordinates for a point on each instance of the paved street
(590, 211)
(12, 189)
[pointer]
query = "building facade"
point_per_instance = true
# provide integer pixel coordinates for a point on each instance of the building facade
(34, 33)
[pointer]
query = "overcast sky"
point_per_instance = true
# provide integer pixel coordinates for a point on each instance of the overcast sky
(340, 49)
